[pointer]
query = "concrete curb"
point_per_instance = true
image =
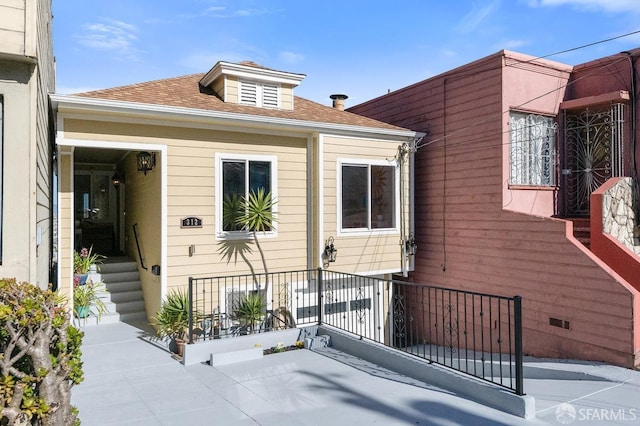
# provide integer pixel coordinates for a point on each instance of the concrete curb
(459, 383)
(202, 351)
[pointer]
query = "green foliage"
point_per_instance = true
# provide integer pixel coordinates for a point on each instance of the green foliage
(40, 357)
(172, 319)
(232, 208)
(257, 215)
(250, 310)
(82, 261)
(88, 295)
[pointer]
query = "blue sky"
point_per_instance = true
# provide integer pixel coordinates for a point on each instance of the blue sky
(362, 48)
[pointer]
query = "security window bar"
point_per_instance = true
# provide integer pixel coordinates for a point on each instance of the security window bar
(532, 150)
(368, 196)
(239, 179)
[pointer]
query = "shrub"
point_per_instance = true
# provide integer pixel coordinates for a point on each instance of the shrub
(40, 358)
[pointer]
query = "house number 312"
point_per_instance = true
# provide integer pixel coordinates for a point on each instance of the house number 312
(191, 222)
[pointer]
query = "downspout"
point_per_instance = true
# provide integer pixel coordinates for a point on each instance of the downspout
(444, 175)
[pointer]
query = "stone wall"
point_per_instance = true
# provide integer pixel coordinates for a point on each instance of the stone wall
(618, 216)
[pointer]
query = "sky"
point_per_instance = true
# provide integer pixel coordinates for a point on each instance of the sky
(361, 48)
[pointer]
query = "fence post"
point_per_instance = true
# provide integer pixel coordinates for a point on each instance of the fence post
(190, 310)
(320, 289)
(517, 319)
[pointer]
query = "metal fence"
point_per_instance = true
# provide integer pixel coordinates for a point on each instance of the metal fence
(475, 333)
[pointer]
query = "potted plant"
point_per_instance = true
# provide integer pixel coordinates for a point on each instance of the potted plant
(86, 262)
(86, 298)
(250, 311)
(172, 320)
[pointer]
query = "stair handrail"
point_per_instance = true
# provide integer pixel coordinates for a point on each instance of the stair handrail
(135, 234)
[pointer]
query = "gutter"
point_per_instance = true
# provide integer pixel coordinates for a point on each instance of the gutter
(18, 58)
(176, 113)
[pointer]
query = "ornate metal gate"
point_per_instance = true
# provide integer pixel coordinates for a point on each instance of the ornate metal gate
(593, 153)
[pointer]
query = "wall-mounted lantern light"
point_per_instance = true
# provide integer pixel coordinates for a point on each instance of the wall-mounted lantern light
(410, 245)
(146, 161)
(116, 180)
(330, 252)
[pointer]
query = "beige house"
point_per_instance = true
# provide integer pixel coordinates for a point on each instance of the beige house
(143, 171)
(27, 76)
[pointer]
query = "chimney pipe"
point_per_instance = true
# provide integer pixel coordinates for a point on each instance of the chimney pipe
(338, 101)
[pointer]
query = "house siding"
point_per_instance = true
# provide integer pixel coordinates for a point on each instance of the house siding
(26, 78)
(359, 253)
(191, 188)
(12, 27)
(468, 239)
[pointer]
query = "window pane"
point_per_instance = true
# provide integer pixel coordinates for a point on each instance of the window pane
(532, 149)
(382, 191)
(233, 188)
(260, 175)
(354, 197)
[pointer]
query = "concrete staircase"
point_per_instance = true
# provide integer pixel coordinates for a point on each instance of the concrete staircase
(123, 299)
(582, 230)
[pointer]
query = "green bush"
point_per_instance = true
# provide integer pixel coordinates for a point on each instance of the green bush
(40, 358)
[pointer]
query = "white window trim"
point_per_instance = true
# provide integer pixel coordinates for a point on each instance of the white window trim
(240, 235)
(366, 231)
(259, 93)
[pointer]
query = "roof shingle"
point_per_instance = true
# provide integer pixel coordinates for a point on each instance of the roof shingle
(186, 92)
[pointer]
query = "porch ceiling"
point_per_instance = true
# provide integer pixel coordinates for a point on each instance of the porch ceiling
(98, 155)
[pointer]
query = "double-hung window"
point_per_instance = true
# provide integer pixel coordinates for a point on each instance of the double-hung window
(532, 150)
(259, 94)
(237, 176)
(368, 195)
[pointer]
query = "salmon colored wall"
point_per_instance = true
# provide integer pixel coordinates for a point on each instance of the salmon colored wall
(467, 240)
(537, 88)
(625, 262)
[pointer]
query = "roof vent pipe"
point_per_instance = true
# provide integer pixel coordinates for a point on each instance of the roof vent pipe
(338, 101)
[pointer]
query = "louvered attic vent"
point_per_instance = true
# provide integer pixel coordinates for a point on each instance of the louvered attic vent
(259, 94)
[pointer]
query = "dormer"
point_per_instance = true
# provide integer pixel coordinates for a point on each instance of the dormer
(247, 83)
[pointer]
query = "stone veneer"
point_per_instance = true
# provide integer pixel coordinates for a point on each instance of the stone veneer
(618, 216)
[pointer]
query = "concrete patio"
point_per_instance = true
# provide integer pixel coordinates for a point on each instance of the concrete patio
(129, 380)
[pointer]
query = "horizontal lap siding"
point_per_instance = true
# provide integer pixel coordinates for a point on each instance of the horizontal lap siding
(191, 189)
(466, 240)
(357, 253)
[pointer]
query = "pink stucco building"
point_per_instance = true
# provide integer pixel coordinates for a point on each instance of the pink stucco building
(515, 147)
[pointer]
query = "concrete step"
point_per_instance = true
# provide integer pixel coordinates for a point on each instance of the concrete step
(115, 277)
(132, 306)
(122, 286)
(126, 296)
(111, 268)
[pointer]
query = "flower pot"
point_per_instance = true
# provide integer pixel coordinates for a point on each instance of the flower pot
(81, 278)
(180, 346)
(82, 311)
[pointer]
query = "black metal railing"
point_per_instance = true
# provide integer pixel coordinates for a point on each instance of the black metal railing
(475, 333)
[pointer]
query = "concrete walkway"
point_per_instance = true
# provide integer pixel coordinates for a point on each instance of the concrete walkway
(131, 381)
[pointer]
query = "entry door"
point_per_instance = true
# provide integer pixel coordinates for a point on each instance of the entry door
(593, 153)
(95, 209)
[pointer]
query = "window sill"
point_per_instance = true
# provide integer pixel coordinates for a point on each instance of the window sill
(533, 187)
(243, 235)
(367, 232)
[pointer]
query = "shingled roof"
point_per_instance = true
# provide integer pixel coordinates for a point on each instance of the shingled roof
(186, 92)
